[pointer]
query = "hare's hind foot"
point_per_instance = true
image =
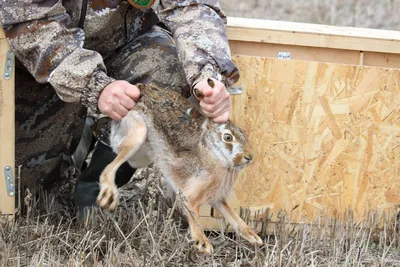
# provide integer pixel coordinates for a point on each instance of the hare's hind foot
(247, 233)
(108, 196)
(237, 223)
(202, 243)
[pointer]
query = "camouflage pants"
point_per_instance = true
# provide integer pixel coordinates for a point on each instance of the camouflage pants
(48, 130)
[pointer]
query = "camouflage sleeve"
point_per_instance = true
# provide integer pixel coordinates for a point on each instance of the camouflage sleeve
(199, 30)
(40, 39)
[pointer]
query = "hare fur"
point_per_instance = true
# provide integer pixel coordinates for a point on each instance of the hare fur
(197, 156)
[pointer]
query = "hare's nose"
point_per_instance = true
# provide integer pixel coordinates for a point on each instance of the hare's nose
(249, 156)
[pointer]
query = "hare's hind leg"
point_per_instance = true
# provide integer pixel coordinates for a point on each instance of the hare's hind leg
(108, 196)
(237, 223)
(202, 242)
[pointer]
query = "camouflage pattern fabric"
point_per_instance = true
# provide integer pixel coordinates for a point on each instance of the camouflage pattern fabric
(45, 37)
(47, 132)
(150, 58)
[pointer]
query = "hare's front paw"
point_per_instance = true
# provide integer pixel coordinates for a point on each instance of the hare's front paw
(204, 245)
(108, 196)
(251, 236)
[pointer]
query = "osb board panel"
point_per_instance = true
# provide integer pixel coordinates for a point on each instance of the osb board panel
(326, 138)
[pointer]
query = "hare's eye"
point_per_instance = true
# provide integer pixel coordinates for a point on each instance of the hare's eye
(228, 137)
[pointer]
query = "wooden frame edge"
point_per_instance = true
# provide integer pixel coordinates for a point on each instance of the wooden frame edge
(7, 132)
(313, 35)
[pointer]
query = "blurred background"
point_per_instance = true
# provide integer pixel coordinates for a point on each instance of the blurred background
(377, 14)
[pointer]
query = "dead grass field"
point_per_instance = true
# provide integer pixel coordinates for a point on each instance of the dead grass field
(145, 231)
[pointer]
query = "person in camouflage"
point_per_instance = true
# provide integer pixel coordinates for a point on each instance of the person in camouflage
(92, 53)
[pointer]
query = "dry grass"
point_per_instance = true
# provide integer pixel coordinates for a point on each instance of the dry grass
(146, 230)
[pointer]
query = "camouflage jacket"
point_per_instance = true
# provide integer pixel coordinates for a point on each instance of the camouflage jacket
(45, 37)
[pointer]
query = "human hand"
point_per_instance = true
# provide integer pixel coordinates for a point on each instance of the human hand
(117, 99)
(214, 99)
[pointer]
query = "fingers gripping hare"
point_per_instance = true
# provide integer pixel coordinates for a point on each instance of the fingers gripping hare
(199, 158)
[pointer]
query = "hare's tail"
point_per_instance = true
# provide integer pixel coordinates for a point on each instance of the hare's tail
(130, 144)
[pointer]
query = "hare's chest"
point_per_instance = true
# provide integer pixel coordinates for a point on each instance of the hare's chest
(209, 187)
(224, 186)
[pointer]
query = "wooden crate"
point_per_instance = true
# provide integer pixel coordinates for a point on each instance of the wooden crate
(324, 124)
(7, 133)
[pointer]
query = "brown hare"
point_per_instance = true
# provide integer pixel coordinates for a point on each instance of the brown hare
(199, 158)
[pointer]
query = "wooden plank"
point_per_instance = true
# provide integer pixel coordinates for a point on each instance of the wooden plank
(326, 138)
(318, 54)
(297, 52)
(382, 60)
(313, 35)
(7, 131)
(318, 29)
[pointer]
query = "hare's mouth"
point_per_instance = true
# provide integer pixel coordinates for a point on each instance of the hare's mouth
(243, 160)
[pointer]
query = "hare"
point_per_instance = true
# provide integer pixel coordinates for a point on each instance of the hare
(198, 157)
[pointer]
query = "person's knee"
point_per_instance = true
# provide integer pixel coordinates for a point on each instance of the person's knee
(151, 58)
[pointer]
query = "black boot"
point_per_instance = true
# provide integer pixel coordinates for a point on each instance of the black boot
(87, 185)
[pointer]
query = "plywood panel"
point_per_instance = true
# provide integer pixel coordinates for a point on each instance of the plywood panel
(326, 137)
(7, 132)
